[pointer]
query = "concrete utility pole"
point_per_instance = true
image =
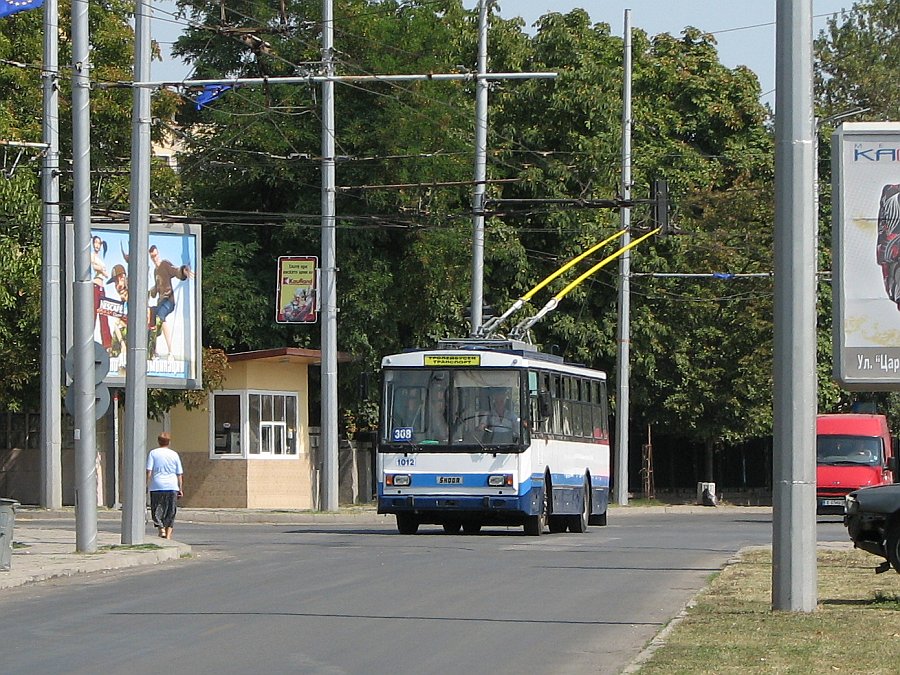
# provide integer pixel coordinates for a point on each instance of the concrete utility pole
(135, 487)
(481, 116)
(83, 343)
(794, 485)
(51, 293)
(624, 305)
(329, 501)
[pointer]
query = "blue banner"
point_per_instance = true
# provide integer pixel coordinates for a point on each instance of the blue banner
(8, 7)
(210, 93)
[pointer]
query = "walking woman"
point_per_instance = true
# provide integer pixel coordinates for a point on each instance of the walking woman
(165, 478)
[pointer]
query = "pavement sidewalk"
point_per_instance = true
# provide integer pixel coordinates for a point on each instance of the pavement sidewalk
(44, 549)
(41, 553)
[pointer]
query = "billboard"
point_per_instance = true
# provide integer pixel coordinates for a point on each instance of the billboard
(295, 298)
(173, 270)
(866, 255)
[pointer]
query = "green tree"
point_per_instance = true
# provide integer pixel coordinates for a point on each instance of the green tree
(857, 59)
(21, 50)
(404, 172)
(701, 348)
(405, 167)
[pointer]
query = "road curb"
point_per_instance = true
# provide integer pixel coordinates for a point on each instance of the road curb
(50, 554)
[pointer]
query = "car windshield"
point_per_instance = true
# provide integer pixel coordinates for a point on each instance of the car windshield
(460, 408)
(848, 450)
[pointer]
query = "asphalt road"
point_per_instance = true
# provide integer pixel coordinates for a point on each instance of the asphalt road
(366, 600)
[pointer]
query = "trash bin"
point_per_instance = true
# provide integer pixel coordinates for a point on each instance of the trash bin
(7, 521)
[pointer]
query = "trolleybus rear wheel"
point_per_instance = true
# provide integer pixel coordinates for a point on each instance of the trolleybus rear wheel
(579, 523)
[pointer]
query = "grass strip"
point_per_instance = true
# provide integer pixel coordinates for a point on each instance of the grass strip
(732, 627)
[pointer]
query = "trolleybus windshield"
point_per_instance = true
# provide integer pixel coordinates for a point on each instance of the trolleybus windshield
(459, 408)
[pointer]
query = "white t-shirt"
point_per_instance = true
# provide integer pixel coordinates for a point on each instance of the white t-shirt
(165, 465)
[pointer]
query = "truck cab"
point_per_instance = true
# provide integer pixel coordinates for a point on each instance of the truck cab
(853, 450)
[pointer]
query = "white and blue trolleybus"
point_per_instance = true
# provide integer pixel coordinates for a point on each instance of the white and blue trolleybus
(492, 432)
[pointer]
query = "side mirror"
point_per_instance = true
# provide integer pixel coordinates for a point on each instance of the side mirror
(545, 404)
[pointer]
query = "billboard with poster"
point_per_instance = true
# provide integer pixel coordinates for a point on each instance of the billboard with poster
(866, 255)
(296, 299)
(172, 266)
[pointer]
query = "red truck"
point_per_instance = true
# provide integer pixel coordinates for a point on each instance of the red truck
(853, 450)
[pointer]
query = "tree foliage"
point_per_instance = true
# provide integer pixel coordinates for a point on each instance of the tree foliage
(405, 163)
(701, 302)
(21, 55)
(857, 60)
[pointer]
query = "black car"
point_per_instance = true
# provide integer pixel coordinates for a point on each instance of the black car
(872, 518)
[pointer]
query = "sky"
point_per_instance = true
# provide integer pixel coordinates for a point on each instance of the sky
(744, 29)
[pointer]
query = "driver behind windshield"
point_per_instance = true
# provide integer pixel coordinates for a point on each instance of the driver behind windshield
(498, 413)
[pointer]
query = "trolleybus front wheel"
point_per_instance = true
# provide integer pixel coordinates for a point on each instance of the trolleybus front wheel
(407, 523)
(534, 525)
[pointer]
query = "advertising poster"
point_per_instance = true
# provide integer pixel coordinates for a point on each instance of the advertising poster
(866, 259)
(172, 266)
(296, 299)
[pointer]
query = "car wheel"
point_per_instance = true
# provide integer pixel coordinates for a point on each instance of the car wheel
(471, 528)
(892, 546)
(451, 528)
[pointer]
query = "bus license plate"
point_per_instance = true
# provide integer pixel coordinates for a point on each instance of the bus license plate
(832, 502)
(449, 480)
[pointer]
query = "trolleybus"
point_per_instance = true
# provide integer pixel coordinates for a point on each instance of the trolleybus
(492, 432)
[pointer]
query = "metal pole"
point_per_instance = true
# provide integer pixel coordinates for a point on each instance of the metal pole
(481, 115)
(794, 484)
(624, 305)
(138, 242)
(51, 310)
(83, 344)
(329, 500)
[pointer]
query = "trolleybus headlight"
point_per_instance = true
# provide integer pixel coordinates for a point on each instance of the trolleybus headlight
(397, 479)
(500, 480)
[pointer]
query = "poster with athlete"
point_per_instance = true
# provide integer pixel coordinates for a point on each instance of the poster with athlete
(172, 267)
(866, 255)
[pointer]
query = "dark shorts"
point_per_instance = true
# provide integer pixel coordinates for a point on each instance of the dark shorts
(163, 507)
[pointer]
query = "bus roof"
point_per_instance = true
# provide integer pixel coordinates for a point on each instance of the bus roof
(463, 353)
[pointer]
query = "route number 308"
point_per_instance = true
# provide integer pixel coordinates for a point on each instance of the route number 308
(402, 434)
